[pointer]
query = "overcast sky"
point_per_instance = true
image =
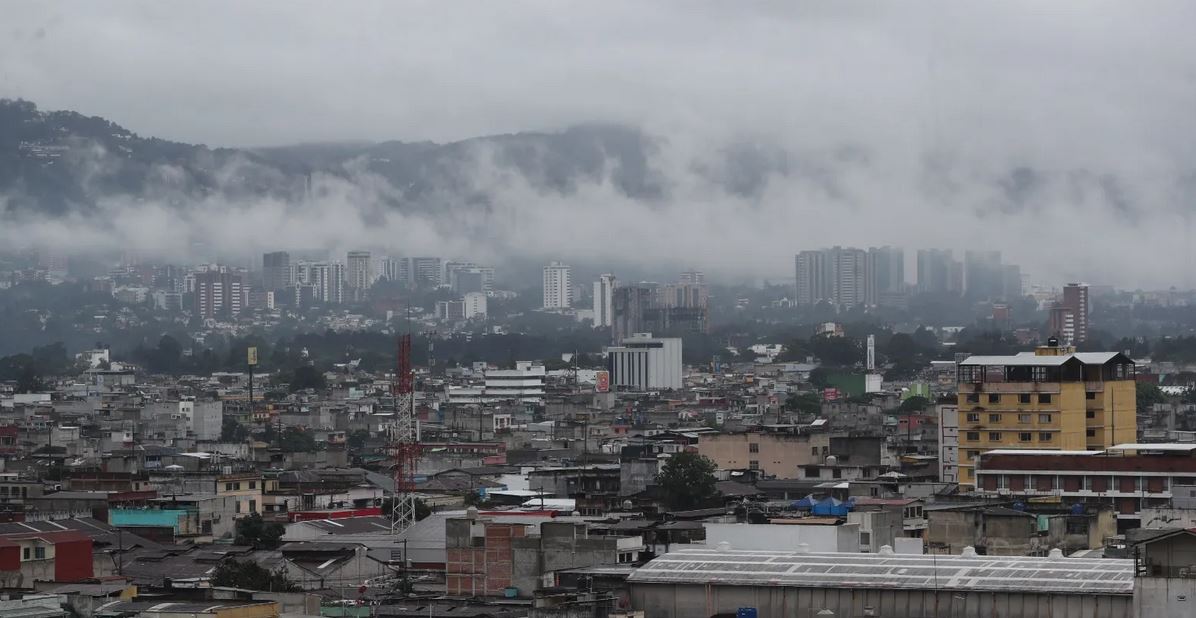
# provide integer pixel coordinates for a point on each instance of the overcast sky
(1106, 88)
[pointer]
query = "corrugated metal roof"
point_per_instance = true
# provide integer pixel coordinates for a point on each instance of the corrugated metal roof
(1162, 446)
(1030, 359)
(920, 572)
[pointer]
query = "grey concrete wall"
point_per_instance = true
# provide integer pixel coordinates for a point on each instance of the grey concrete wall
(1164, 597)
(698, 601)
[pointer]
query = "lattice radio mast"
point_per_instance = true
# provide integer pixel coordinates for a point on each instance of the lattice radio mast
(404, 442)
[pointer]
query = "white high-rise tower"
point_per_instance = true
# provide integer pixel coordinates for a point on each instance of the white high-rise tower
(558, 286)
(604, 290)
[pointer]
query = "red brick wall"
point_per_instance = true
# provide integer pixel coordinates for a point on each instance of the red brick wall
(486, 570)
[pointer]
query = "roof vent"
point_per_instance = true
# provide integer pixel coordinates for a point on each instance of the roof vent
(803, 548)
(1055, 554)
(723, 547)
(886, 550)
(969, 552)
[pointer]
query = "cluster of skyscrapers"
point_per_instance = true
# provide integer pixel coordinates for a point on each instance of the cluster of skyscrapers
(848, 277)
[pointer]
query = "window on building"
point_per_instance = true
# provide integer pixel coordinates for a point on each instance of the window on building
(39, 553)
(837, 473)
(973, 417)
(237, 506)
(753, 447)
(1091, 433)
(1076, 525)
(1090, 395)
(1025, 437)
(1044, 418)
(994, 398)
(228, 487)
(25, 554)
(1044, 398)
(994, 436)
(973, 436)
(865, 539)
(1025, 418)
(754, 464)
(826, 450)
(1038, 374)
(994, 418)
(1023, 398)
(972, 455)
(814, 451)
(973, 398)
(253, 484)
(1090, 414)
(812, 472)
(253, 506)
(1045, 436)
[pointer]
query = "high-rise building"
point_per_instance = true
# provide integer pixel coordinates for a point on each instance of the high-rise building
(984, 276)
(276, 271)
(426, 271)
(328, 279)
(695, 277)
(604, 289)
(813, 278)
(1052, 398)
(885, 273)
(837, 276)
(1075, 299)
(360, 273)
(939, 272)
(558, 286)
(630, 305)
(644, 362)
(396, 270)
(220, 292)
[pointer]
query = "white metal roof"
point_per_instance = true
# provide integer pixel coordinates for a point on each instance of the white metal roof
(920, 572)
(1030, 359)
(1161, 446)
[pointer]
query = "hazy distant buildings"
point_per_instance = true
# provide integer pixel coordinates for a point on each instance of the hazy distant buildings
(847, 277)
(360, 272)
(987, 278)
(558, 286)
(669, 308)
(425, 271)
(474, 305)
(219, 292)
(939, 272)
(465, 277)
(604, 289)
(276, 271)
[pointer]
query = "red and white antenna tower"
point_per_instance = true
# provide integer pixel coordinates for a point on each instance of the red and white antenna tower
(404, 442)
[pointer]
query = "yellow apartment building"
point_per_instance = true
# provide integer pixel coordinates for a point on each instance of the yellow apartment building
(1051, 398)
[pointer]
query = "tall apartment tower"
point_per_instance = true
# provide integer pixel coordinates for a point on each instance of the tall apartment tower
(329, 282)
(604, 289)
(360, 273)
(1075, 299)
(220, 292)
(885, 273)
(276, 271)
(558, 286)
(630, 306)
(1051, 398)
(813, 277)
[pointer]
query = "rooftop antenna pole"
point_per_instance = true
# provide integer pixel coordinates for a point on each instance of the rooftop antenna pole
(404, 438)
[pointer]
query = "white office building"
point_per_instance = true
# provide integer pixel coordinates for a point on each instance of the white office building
(644, 362)
(524, 383)
(475, 305)
(604, 289)
(360, 275)
(558, 286)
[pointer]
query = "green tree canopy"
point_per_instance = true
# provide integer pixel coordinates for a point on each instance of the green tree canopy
(914, 404)
(259, 534)
(687, 481)
(251, 576)
(306, 376)
(1148, 395)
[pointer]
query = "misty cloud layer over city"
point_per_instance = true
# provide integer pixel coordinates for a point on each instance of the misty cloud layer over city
(1057, 133)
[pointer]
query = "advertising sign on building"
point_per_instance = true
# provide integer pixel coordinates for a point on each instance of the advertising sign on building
(602, 382)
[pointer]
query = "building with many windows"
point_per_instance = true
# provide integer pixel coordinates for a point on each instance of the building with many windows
(644, 362)
(1130, 478)
(558, 286)
(1052, 398)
